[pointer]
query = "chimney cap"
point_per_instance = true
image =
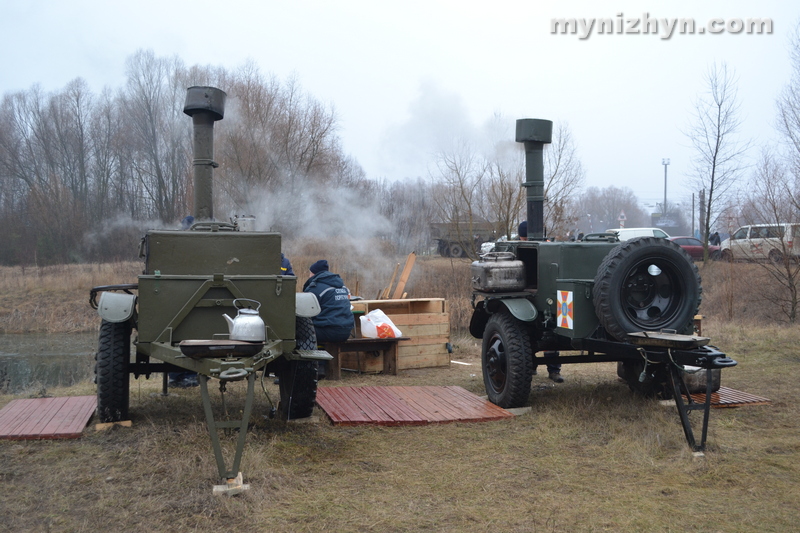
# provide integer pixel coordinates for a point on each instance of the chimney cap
(535, 130)
(205, 100)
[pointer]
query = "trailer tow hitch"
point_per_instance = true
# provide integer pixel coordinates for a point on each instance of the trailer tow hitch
(683, 399)
(233, 478)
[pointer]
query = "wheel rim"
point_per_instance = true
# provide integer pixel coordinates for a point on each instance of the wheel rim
(652, 293)
(496, 364)
(456, 250)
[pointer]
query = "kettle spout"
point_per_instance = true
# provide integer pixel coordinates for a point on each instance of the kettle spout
(229, 320)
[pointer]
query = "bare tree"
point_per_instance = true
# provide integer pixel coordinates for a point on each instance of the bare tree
(788, 123)
(461, 175)
(154, 110)
(718, 150)
(564, 176)
(599, 209)
(772, 200)
(505, 197)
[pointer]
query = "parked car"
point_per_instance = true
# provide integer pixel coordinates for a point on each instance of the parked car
(629, 233)
(761, 242)
(694, 247)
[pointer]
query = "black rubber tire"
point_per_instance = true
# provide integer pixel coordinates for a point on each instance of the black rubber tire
(507, 361)
(775, 257)
(656, 383)
(305, 334)
(629, 298)
(111, 371)
(297, 380)
(726, 255)
(456, 250)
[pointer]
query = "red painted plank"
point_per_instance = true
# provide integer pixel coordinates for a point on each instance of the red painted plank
(349, 409)
(470, 409)
(71, 418)
(46, 410)
(46, 418)
(401, 405)
(395, 407)
(482, 408)
(14, 415)
(726, 397)
(339, 406)
(435, 407)
(378, 410)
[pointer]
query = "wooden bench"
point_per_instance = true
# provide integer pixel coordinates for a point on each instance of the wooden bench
(387, 346)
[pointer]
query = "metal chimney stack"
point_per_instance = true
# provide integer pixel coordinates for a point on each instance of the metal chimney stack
(535, 133)
(205, 105)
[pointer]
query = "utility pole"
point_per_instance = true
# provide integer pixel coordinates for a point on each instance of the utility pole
(665, 162)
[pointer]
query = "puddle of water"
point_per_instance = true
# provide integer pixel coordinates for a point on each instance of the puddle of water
(35, 361)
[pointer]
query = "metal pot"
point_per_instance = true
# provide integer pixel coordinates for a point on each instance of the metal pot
(248, 325)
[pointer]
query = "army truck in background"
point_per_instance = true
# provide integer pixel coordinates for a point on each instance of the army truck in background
(461, 239)
(212, 300)
(631, 302)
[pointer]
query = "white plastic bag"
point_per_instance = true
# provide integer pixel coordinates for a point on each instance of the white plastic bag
(376, 325)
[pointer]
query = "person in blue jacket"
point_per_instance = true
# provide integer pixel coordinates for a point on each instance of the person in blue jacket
(335, 319)
(286, 266)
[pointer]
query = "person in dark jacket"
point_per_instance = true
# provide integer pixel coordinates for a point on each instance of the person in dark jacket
(286, 266)
(335, 320)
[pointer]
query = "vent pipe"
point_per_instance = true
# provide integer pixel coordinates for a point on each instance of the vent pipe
(205, 105)
(534, 133)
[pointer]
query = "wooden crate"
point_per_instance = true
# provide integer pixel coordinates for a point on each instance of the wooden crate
(425, 320)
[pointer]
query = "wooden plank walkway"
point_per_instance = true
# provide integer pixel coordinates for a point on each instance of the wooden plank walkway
(404, 406)
(726, 397)
(46, 418)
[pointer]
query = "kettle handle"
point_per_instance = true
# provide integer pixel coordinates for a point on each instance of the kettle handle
(258, 304)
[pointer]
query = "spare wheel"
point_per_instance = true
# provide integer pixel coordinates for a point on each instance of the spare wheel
(647, 284)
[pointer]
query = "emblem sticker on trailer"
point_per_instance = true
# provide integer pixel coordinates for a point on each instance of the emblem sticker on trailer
(564, 312)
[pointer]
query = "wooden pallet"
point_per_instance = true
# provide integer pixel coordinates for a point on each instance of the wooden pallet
(401, 406)
(46, 418)
(726, 397)
(425, 320)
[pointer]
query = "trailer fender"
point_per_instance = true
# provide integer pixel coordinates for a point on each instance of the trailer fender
(116, 307)
(306, 304)
(521, 308)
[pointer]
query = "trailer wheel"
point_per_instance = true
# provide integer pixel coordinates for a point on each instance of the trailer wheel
(111, 371)
(646, 284)
(506, 360)
(297, 380)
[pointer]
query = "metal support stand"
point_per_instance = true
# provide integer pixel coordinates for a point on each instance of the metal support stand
(232, 477)
(680, 389)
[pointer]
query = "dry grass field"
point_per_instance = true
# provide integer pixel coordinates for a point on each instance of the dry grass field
(589, 456)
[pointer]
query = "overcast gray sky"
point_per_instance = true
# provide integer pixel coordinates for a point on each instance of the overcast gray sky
(407, 76)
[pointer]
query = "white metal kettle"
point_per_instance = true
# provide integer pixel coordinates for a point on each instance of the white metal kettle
(248, 325)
